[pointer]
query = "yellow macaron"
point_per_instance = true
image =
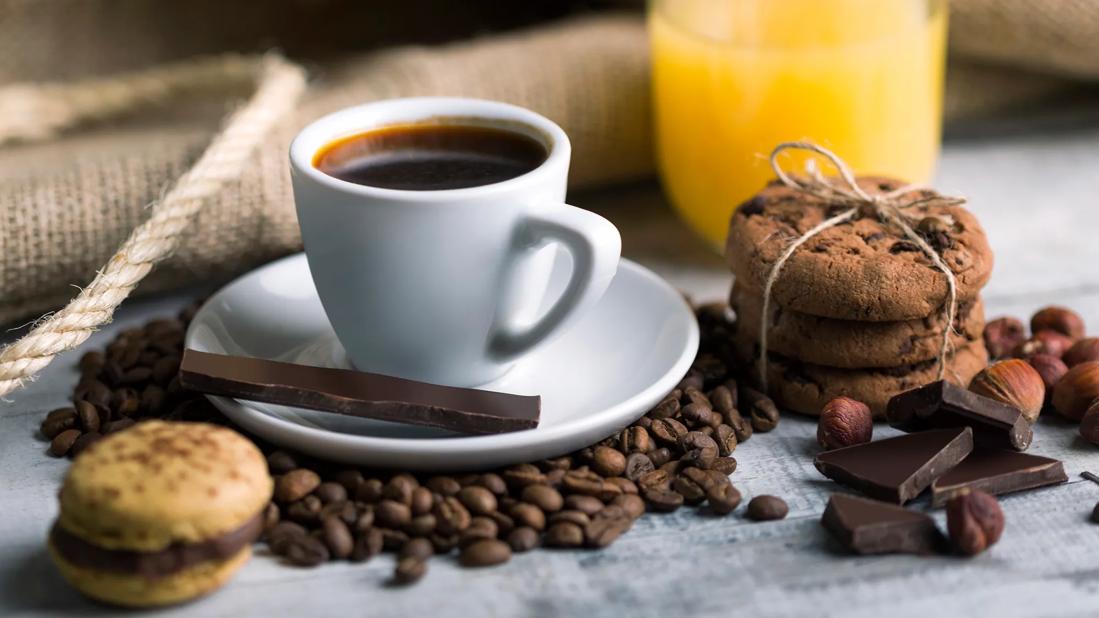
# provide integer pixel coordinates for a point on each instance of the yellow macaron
(160, 513)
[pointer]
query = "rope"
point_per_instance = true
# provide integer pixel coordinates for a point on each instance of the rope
(279, 83)
(886, 206)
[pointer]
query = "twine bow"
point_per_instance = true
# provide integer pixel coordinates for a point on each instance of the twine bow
(887, 207)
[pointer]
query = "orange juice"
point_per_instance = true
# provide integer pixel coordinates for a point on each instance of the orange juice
(733, 78)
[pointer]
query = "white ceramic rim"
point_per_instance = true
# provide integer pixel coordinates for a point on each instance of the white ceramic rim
(621, 414)
(354, 120)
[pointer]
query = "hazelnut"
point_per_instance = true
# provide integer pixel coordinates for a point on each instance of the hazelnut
(1082, 351)
(844, 422)
(975, 522)
(1003, 335)
(1044, 342)
(1089, 425)
(1060, 319)
(1077, 390)
(1051, 368)
(1014, 382)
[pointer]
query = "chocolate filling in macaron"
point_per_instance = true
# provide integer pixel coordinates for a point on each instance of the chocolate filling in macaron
(154, 564)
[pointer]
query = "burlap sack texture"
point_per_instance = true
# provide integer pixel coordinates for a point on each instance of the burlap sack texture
(67, 203)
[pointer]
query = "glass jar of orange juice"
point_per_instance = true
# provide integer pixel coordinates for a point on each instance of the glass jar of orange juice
(733, 78)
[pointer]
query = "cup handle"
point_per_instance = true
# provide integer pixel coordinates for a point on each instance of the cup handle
(595, 245)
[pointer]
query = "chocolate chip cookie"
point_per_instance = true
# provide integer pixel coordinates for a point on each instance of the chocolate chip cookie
(805, 388)
(860, 270)
(850, 344)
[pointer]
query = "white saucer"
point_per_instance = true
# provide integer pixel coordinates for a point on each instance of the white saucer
(610, 368)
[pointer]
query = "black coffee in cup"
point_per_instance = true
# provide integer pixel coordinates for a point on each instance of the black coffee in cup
(431, 157)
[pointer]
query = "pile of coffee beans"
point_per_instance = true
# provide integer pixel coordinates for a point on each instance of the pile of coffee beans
(680, 453)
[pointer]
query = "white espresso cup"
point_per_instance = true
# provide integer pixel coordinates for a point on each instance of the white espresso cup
(445, 286)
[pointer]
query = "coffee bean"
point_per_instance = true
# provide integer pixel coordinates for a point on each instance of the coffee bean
(723, 498)
(579, 518)
(480, 527)
(349, 479)
(367, 545)
(400, 488)
(522, 475)
(83, 442)
(522, 539)
(392, 514)
(668, 431)
(409, 570)
(725, 437)
(165, 369)
(660, 456)
(504, 523)
(583, 481)
(271, 516)
(526, 514)
(761, 408)
(692, 492)
(306, 551)
(330, 492)
(564, 534)
(486, 552)
(370, 491)
(725, 465)
(765, 508)
(280, 462)
(622, 485)
(422, 501)
(693, 379)
(692, 395)
(95, 393)
(723, 400)
(296, 484)
(546, 498)
(477, 499)
(608, 461)
(493, 482)
(632, 504)
(59, 420)
(337, 538)
(696, 415)
(662, 499)
(91, 363)
(444, 543)
(450, 516)
(665, 409)
(63, 442)
(606, 526)
(305, 511)
(421, 525)
(658, 478)
(634, 439)
(119, 425)
(638, 465)
(443, 485)
(365, 517)
(88, 416)
(393, 540)
(588, 505)
(420, 548)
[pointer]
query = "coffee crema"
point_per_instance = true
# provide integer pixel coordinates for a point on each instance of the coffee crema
(431, 157)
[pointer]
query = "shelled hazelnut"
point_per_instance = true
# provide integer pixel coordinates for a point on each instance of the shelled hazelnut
(975, 522)
(1003, 335)
(1059, 319)
(1077, 390)
(844, 422)
(1014, 382)
(1084, 350)
(1046, 341)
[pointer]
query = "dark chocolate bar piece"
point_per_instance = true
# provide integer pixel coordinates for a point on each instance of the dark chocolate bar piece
(356, 393)
(997, 471)
(897, 469)
(867, 526)
(942, 404)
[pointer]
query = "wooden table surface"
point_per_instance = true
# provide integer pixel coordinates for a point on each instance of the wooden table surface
(1033, 181)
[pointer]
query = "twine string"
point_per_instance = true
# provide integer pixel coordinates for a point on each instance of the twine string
(887, 207)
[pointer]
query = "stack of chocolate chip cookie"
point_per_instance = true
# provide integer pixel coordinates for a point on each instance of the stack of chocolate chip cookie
(858, 309)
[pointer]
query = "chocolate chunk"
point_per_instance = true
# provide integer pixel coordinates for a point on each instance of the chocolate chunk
(942, 404)
(356, 393)
(997, 471)
(873, 527)
(897, 469)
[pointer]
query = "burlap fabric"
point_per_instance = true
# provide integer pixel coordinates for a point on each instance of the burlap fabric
(68, 202)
